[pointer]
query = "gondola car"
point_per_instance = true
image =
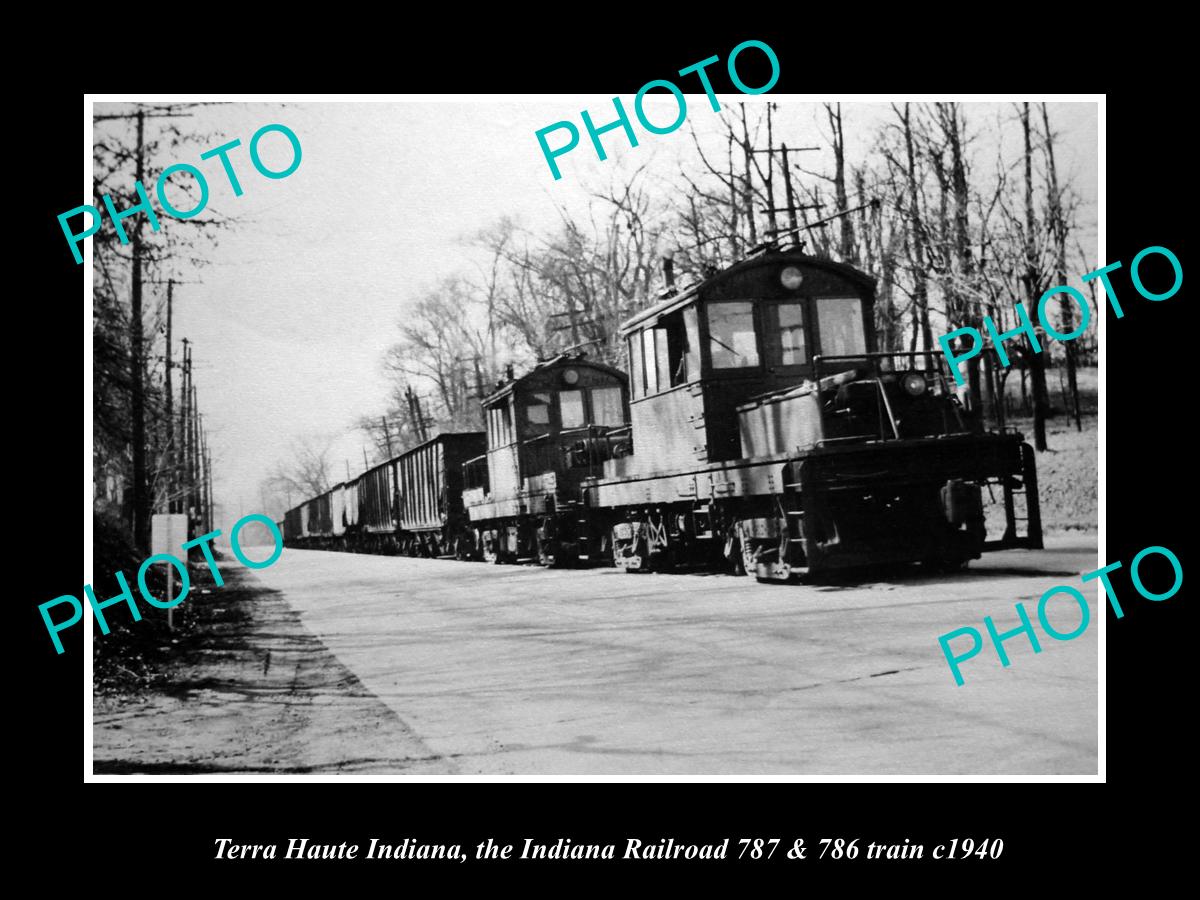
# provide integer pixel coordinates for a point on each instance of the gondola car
(769, 430)
(409, 504)
(316, 522)
(291, 528)
(375, 525)
(432, 520)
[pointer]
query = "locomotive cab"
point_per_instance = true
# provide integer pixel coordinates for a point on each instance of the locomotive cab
(770, 429)
(758, 328)
(546, 432)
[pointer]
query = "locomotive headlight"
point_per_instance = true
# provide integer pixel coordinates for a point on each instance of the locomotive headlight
(914, 384)
(570, 376)
(791, 277)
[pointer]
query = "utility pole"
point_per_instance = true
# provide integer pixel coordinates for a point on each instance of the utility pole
(366, 465)
(194, 463)
(170, 410)
(791, 203)
(140, 518)
(792, 207)
(208, 500)
(572, 318)
(573, 323)
(733, 199)
(141, 509)
(749, 195)
(184, 418)
(387, 435)
(771, 172)
(200, 474)
(205, 517)
(414, 412)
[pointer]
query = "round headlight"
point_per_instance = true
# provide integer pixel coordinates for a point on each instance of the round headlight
(914, 384)
(791, 277)
(570, 376)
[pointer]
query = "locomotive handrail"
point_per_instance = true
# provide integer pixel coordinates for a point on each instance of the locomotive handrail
(876, 355)
(597, 429)
(874, 360)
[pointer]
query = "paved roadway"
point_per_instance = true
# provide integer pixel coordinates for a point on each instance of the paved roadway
(522, 670)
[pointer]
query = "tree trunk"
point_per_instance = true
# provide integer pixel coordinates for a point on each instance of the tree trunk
(1058, 224)
(1037, 369)
(962, 242)
(918, 259)
(748, 190)
(846, 247)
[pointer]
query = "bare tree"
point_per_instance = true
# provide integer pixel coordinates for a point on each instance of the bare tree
(132, 434)
(306, 471)
(1033, 290)
(1057, 216)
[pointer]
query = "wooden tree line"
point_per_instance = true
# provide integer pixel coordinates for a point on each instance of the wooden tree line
(951, 232)
(150, 449)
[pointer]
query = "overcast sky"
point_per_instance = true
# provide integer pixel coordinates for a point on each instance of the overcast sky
(291, 320)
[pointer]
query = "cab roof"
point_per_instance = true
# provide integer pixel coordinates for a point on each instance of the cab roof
(769, 256)
(562, 361)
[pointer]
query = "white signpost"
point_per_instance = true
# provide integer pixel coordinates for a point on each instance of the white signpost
(168, 534)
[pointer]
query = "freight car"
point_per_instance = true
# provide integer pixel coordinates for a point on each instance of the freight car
(429, 478)
(375, 526)
(409, 504)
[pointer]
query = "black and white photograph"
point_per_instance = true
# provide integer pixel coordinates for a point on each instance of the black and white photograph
(689, 434)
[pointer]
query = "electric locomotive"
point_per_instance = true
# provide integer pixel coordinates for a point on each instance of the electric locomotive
(547, 432)
(770, 431)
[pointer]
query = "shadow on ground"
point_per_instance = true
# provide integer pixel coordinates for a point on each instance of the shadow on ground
(248, 689)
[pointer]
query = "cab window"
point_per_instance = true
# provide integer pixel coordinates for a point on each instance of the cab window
(650, 356)
(785, 345)
(607, 408)
(671, 351)
(691, 348)
(637, 377)
(500, 424)
(570, 405)
(537, 412)
(841, 324)
(732, 343)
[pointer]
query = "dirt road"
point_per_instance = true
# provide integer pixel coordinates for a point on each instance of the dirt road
(470, 668)
(254, 691)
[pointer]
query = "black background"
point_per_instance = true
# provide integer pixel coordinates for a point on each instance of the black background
(1050, 828)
